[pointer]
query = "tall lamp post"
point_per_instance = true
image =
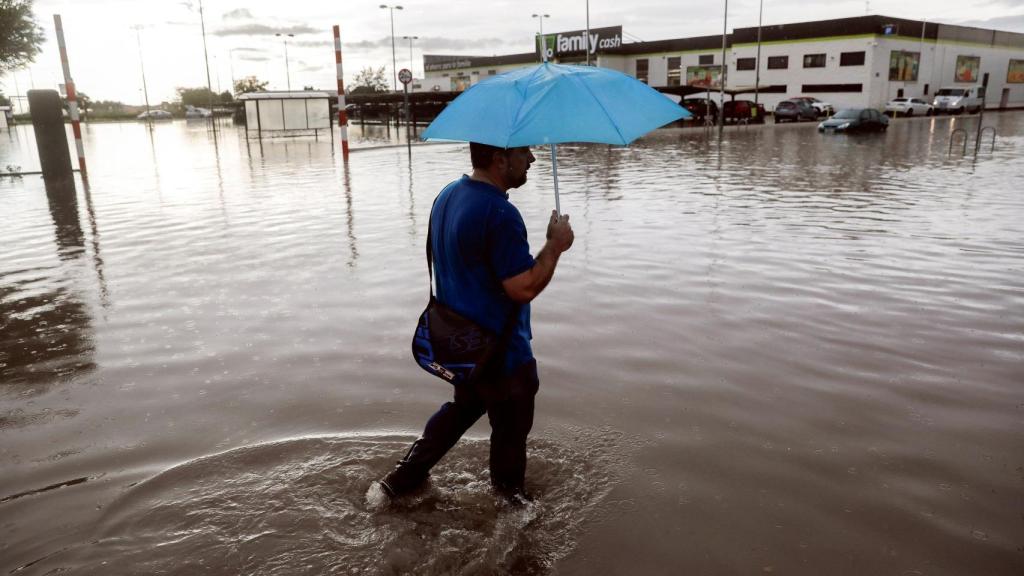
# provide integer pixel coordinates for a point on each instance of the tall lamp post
(142, 66)
(543, 45)
(410, 39)
(394, 68)
(287, 73)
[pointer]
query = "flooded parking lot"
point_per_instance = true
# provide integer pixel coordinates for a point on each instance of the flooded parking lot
(784, 352)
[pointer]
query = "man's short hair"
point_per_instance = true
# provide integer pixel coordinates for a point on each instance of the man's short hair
(482, 155)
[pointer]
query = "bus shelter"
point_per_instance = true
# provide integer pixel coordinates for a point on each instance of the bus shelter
(286, 113)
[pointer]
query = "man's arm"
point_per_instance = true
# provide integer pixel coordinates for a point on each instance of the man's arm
(528, 285)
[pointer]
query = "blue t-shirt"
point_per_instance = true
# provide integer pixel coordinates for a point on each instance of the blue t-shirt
(479, 239)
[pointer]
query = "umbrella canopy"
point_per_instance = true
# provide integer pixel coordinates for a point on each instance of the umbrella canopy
(554, 103)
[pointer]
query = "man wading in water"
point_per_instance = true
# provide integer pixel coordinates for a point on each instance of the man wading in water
(484, 270)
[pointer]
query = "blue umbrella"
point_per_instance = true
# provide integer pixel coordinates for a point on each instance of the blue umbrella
(553, 103)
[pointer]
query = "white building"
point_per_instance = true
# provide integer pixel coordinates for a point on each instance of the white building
(862, 62)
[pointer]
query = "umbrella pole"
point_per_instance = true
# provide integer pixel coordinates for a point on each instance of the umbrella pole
(554, 172)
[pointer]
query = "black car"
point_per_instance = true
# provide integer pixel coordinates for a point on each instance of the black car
(794, 111)
(700, 109)
(855, 120)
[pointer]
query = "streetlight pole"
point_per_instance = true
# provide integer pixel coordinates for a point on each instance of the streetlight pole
(287, 73)
(721, 76)
(410, 39)
(142, 66)
(757, 61)
(206, 58)
(586, 45)
(543, 45)
(394, 64)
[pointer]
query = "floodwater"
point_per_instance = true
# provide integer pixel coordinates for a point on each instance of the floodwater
(785, 353)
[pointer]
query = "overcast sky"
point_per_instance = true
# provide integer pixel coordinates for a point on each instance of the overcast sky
(105, 60)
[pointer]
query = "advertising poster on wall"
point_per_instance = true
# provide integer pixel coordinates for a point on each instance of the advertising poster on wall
(704, 76)
(1015, 72)
(967, 68)
(903, 65)
(460, 83)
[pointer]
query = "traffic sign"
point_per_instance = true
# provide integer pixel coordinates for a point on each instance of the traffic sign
(405, 76)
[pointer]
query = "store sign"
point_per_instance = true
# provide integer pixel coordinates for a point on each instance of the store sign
(433, 63)
(579, 42)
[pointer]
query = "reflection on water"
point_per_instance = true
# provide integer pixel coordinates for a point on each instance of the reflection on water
(813, 341)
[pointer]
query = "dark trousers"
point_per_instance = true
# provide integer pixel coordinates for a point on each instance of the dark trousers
(508, 402)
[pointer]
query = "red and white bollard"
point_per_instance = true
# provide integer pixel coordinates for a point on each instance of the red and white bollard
(342, 115)
(72, 96)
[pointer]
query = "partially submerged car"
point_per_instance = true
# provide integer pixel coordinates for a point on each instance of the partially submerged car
(794, 111)
(855, 120)
(155, 115)
(822, 108)
(743, 112)
(908, 107)
(959, 99)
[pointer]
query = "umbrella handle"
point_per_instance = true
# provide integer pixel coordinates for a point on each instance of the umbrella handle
(554, 172)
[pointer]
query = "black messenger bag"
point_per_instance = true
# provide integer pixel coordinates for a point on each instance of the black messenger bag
(451, 346)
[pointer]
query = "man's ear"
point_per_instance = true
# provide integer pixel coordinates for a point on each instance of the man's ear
(500, 159)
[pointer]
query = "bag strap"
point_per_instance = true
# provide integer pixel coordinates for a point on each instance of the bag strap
(510, 322)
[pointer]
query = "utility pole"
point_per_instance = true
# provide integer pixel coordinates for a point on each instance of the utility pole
(587, 43)
(287, 72)
(142, 66)
(206, 58)
(721, 88)
(394, 60)
(757, 61)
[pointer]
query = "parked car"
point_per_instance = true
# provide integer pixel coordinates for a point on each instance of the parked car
(155, 115)
(701, 108)
(908, 107)
(855, 120)
(823, 108)
(196, 112)
(957, 100)
(745, 111)
(794, 111)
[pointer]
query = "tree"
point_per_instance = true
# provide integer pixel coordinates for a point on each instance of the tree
(20, 35)
(199, 97)
(225, 97)
(369, 80)
(249, 84)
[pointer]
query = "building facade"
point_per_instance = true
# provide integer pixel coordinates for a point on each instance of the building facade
(850, 62)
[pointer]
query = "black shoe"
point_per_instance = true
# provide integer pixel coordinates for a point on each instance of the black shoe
(397, 484)
(517, 497)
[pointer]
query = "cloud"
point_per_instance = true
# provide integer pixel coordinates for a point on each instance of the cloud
(312, 43)
(250, 50)
(1011, 23)
(254, 57)
(255, 29)
(432, 43)
(311, 67)
(239, 14)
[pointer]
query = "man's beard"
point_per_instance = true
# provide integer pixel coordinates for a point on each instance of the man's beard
(516, 181)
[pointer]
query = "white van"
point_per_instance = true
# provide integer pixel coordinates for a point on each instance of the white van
(959, 99)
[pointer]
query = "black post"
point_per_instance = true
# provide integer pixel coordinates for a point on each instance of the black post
(981, 112)
(51, 139)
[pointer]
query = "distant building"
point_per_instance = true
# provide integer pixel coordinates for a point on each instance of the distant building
(861, 61)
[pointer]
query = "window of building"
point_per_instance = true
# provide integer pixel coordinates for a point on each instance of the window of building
(642, 70)
(674, 70)
(819, 88)
(925, 89)
(851, 59)
(814, 60)
(492, 72)
(706, 59)
(778, 62)
(746, 63)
